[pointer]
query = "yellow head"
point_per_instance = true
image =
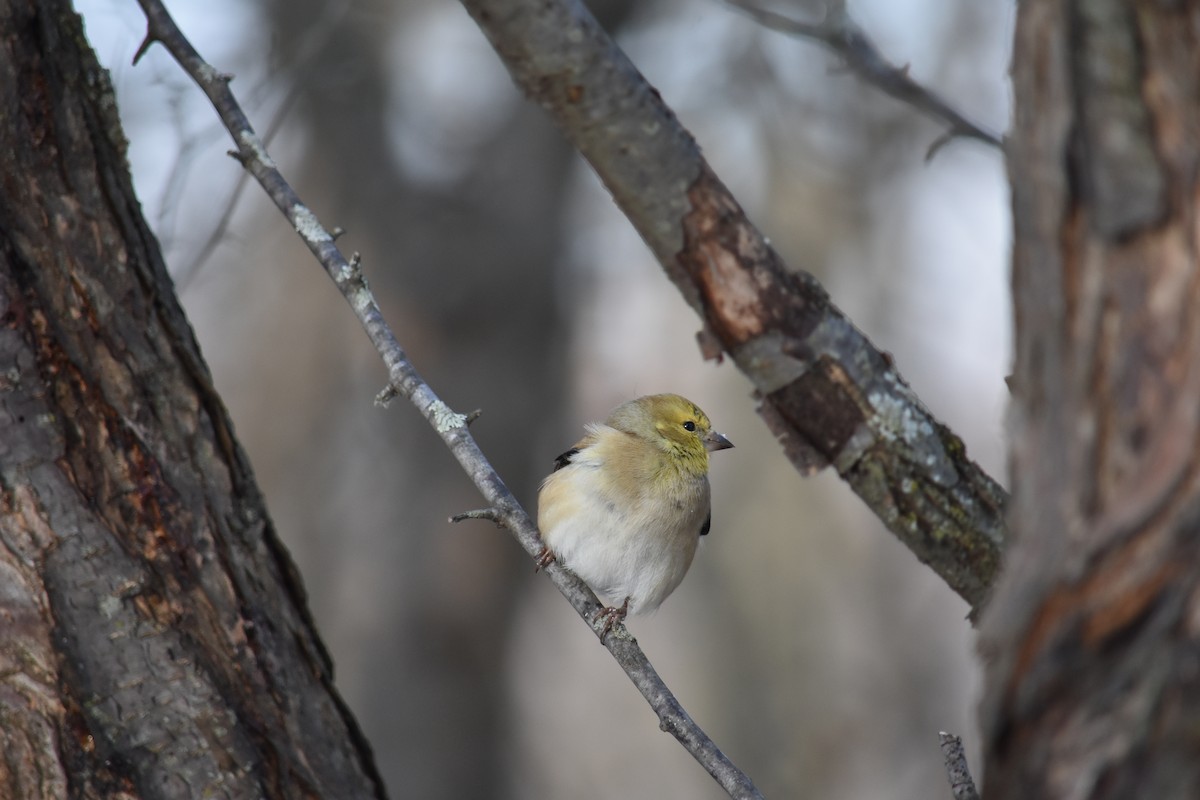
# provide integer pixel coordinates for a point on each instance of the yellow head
(673, 423)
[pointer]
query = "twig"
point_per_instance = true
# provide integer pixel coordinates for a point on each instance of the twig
(218, 232)
(841, 34)
(320, 32)
(405, 381)
(480, 513)
(961, 784)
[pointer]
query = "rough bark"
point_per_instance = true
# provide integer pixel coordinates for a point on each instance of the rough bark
(828, 394)
(1093, 633)
(155, 640)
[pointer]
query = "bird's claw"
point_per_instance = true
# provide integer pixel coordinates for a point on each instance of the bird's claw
(543, 560)
(609, 616)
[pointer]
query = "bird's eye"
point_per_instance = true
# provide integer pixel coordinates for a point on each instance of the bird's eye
(689, 426)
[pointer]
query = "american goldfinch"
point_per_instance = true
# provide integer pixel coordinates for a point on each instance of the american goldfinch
(626, 506)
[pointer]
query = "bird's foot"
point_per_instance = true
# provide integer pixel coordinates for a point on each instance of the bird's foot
(608, 616)
(543, 560)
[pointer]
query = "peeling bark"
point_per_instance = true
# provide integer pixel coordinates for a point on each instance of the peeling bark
(833, 399)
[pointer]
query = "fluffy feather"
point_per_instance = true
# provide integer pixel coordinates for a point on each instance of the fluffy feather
(626, 506)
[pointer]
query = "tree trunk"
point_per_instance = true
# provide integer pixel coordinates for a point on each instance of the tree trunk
(154, 639)
(1093, 633)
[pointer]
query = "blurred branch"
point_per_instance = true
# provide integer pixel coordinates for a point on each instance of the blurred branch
(185, 275)
(962, 786)
(320, 31)
(826, 392)
(405, 381)
(841, 34)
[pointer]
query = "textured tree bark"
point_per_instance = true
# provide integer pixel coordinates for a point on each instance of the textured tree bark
(1093, 633)
(154, 639)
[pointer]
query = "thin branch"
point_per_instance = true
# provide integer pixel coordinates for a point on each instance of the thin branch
(841, 34)
(320, 31)
(489, 514)
(218, 232)
(404, 379)
(179, 175)
(829, 395)
(962, 786)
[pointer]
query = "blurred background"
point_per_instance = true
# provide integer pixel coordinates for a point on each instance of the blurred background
(813, 648)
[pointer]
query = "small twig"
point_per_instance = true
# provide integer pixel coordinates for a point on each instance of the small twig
(841, 34)
(386, 395)
(481, 513)
(320, 31)
(939, 143)
(218, 232)
(404, 380)
(961, 784)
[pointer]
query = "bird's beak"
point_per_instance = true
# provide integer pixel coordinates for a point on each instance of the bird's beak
(715, 441)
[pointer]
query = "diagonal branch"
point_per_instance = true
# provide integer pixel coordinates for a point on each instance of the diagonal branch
(826, 392)
(962, 785)
(404, 380)
(841, 34)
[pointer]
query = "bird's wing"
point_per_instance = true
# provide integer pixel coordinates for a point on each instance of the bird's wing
(594, 432)
(564, 459)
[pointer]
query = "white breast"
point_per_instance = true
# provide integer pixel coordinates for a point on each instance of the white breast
(639, 549)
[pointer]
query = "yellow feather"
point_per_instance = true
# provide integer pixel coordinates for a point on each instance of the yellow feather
(626, 509)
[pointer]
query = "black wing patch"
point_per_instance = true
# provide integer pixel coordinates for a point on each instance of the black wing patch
(707, 525)
(565, 459)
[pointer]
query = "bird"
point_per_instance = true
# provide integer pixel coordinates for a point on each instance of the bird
(624, 509)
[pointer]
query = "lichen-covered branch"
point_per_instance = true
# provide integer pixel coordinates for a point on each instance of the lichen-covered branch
(405, 381)
(829, 395)
(962, 785)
